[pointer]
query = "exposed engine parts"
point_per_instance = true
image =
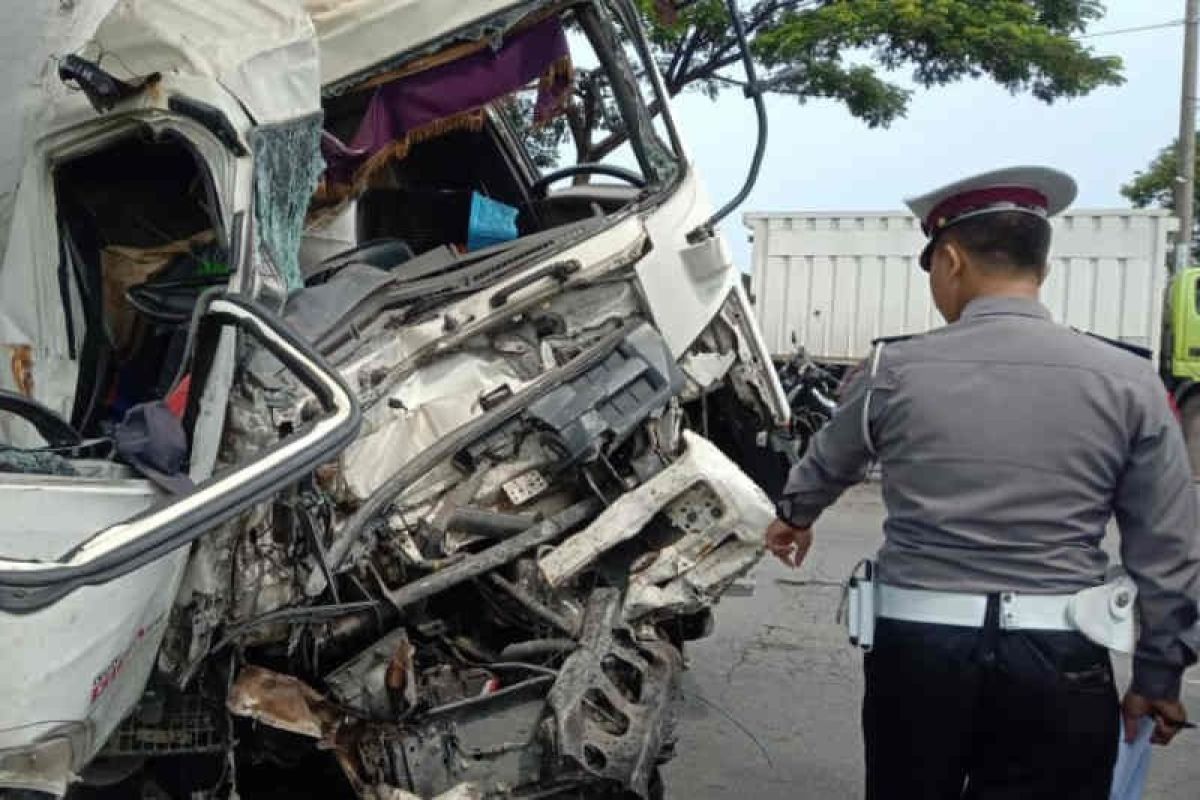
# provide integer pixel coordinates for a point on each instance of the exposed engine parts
(497, 609)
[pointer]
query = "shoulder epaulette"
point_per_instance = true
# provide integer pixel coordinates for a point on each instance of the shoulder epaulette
(1140, 352)
(890, 339)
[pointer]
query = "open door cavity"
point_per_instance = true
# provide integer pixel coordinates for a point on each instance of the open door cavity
(141, 238)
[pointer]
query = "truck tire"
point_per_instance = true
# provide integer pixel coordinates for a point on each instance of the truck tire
(1190, 413)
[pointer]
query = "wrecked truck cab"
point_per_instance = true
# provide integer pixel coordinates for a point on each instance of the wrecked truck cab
(532, 505)
(133, 257)
(92, 553)
(488, 589)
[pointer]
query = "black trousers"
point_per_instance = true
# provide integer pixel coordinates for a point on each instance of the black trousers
(985, 714)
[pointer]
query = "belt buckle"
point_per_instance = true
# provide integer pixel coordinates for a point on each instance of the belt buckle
(1008, 612)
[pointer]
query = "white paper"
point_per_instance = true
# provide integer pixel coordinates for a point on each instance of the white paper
(1133, 762)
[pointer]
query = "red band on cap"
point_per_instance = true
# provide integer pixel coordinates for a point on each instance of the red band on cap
(946, 211)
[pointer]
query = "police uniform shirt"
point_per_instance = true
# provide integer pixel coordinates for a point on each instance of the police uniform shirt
(1007, 442)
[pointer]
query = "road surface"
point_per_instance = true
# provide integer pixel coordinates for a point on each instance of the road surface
(772, 697)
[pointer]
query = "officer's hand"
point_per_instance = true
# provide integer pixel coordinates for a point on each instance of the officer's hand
(1169, 717)
(788, 544)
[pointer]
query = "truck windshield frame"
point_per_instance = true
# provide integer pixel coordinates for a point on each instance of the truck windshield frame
(659, 161)
(605, 36)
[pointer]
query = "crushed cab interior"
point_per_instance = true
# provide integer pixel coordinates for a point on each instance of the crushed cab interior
(140, 237)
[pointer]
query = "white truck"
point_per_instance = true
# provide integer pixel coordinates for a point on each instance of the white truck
(834, 281)
(433, 514)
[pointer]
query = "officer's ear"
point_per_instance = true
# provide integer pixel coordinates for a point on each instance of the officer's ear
(954, 259)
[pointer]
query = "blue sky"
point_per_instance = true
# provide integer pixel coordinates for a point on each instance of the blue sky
(820, 158)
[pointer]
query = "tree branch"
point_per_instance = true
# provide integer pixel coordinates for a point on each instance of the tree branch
(710, 69)
(582, 119)
(725, 54)
(674, 84)
(679, 48)
(679, 75)
(611, 142)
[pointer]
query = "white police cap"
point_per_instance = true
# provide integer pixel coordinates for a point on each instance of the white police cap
(1040, 191)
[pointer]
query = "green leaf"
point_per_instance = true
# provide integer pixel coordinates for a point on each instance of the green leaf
(1155, 186)
(842, 49)
(1026, 46)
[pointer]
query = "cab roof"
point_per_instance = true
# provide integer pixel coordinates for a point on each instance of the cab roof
(359, 37)
(263, 52)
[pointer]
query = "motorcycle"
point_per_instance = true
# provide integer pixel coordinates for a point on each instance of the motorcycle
(812, 391)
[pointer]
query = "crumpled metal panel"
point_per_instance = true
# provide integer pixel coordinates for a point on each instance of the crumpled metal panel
(264, 52)
(87, 656)
(699, 584)
(613, 699)
(357, 35)
(425, 408)
(593, 306)
(494, 740)
(374, 681)
(720, 512)
(464, 791)
(283, 702)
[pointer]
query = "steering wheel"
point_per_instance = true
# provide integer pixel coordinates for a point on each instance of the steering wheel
(539, 187)
(49, 424)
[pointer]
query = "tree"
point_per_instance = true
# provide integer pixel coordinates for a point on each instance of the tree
(1155, 186)
(843, 50)
(541, 141)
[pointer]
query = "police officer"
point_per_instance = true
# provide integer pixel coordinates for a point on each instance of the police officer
(1006, 442)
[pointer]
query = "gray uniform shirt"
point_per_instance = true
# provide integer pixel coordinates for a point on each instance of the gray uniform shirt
(1007, 442)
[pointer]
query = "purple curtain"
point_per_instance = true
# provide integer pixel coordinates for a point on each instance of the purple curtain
(431, 102)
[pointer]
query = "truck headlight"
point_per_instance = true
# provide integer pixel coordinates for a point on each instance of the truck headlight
(41, 767)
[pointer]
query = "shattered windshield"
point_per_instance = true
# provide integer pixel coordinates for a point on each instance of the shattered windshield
(481, 142)
(605, 119)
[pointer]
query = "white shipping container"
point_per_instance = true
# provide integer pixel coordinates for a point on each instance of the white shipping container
(836, 281)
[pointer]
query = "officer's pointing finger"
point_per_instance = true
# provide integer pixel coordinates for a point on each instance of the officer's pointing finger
(802, 545)
(784, 554)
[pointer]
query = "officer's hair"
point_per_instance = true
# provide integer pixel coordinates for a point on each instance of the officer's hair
(1007, 241)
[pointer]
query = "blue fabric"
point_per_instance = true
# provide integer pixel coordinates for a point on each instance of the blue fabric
(1133, 762)
(491, 222)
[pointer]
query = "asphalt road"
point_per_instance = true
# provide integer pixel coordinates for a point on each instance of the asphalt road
(772, 697)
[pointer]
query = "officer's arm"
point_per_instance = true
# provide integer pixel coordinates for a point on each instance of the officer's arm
(1160, 547)
(836, 459)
